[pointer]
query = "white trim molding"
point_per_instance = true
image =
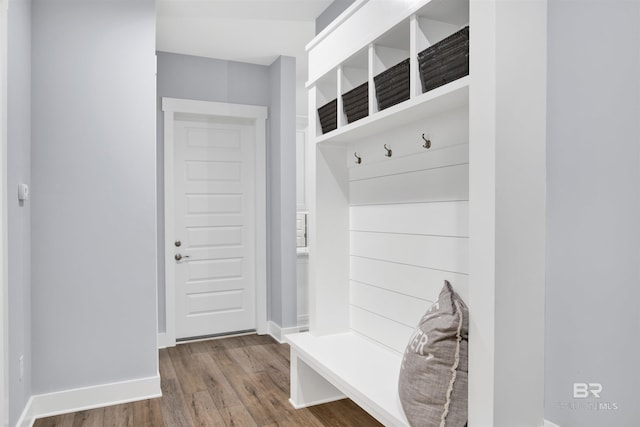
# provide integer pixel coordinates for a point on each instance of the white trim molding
(303, 322)
(219, 109)
(258, 114)
(548, 423)
(163, 341)
(353, 8)
(80, 399)
(278, 333)
(302, 122)
(169, 267)
(4, 282)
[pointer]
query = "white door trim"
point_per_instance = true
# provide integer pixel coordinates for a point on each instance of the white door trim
(4, 282)
(171, 106)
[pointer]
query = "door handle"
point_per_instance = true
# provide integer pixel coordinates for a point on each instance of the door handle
(178, 257)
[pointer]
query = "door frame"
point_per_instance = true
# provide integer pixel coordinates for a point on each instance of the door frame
(258, 116)
(4, 280)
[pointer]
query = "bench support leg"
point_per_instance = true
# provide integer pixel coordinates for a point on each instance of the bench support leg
(309, 388)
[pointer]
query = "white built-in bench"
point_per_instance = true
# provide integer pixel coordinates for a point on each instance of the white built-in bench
(333, 367)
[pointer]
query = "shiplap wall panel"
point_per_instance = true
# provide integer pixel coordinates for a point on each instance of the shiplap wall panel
(439, 184)
(385, 303)
(409, 232)
(436, 218)
(378, 328)
(442, 253)
(423, 283)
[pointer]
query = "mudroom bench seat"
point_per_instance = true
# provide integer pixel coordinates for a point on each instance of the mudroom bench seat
(332, 367)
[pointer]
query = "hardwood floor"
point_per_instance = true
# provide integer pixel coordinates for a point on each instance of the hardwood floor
(239, 381)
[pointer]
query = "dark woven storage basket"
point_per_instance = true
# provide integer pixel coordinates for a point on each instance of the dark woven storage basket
(328, 115)
(356, 103)
(445, 61)
(392, 85)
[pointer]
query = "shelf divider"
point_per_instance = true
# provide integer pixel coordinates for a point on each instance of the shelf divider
(373, 105)
(339, 110)
(413, 55)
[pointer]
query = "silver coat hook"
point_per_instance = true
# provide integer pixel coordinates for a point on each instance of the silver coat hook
(389, 152)
(427, 142)
(358, 158)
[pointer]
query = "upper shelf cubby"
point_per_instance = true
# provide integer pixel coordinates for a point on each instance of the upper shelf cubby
(355, 70)
(454, 12)
(326, 104)
(354, 89)
(439, 19)
(362, 74)
(391, 48)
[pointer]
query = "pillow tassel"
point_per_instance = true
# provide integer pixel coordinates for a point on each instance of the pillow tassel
(453, 368)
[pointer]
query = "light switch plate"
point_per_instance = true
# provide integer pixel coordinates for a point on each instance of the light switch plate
(23, 192)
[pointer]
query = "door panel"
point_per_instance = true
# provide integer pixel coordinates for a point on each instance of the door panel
(214, 187)
(213, 171)
(203, 237)
(212, 204)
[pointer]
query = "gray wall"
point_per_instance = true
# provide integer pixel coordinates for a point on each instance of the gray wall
(282, 197)
(190, 77)
(93, 193)
(331, 13)
(593, 234)
(19, 214)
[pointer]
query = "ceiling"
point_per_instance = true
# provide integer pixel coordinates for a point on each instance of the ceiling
(254, 31)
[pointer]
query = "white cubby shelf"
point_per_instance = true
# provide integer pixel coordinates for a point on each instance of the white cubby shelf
(448, 97)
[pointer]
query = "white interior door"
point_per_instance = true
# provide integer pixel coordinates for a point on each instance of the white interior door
(215, 247)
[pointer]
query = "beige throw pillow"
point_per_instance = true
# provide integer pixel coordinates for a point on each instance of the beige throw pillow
(433, 376)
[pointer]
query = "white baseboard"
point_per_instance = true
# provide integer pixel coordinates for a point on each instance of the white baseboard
(25, 420)
(303, 321)
(164, 341)
(317, 402)
(80, 399)
(548, 423)
(278, 332)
